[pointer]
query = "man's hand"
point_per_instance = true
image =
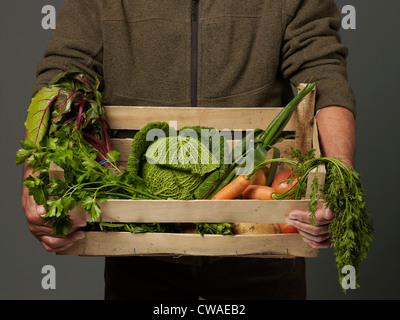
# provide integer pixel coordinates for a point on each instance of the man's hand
(316, 236)
(337, 137)
(39, 226)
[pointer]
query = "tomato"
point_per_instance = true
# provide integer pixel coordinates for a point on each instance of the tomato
(280, 183)
(287, 228)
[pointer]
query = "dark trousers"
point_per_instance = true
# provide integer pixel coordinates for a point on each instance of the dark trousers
(144, 278)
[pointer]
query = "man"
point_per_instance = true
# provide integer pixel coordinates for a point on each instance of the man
(206, 53)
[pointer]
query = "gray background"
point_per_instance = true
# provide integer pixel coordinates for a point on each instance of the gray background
(373, 66)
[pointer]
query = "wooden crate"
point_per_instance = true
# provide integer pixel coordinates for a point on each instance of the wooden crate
(201, 211)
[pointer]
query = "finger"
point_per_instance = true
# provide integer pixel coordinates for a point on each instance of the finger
(34, 214)
(40, 226)
(78, 221)
(323, 216)
(59, 249)
(318, 245)
(308, 228)
(328, 213)
(56, 244)
(40, 230)
(47, 230)
(315, 238)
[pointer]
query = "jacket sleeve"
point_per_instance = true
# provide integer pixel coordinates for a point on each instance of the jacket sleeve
(76, 43)
(312, 48)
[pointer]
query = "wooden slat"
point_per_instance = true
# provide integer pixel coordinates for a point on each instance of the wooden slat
(196, 211)
(315, 141)
(135, 118)
(127, 244)
(56, 172)
(321, 172)
(124, 147)
(304, 121)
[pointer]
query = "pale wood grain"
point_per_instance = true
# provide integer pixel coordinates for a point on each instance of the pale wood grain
(135, 118)
(128, 244)
(197, 211)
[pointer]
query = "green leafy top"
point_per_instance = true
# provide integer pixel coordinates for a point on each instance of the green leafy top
(352, 226)
(86, 181)
(69, 98)
(37, 122)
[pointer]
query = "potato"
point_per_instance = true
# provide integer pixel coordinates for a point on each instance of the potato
(255, 228)
(189, 228)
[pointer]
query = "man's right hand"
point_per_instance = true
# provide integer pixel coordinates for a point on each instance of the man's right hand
(40, 227)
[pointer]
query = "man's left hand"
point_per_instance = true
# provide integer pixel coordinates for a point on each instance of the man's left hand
(316, 236)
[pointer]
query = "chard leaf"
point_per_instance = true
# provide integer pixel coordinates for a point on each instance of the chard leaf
(82, 82)
(97, 94)
(93, 113)
(60, 77)
(37, 122)
(64, 102)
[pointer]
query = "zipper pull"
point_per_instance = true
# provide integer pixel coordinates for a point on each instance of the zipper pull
(193, 17)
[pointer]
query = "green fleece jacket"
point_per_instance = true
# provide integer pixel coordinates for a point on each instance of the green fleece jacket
(207, 53)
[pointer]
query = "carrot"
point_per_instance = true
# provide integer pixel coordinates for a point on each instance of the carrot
(260, 177)
(258, 192)
(233, 189)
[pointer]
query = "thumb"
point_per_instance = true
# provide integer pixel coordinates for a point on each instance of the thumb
(328, 213)
(40, 210)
